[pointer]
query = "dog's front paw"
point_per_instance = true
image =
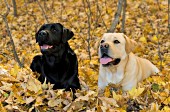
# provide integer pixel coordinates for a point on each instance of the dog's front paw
(36, 64)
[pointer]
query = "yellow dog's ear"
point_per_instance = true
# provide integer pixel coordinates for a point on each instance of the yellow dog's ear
(130, 44)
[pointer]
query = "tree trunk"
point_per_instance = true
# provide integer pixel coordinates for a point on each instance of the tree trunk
(123, 17)
(117, 16)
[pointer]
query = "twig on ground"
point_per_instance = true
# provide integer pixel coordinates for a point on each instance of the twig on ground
(9, 34)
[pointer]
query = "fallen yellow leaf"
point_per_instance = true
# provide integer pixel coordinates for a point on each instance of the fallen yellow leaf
(33, 84)
(143, 40)
(135, 92)
(154, 39)
(116, 96)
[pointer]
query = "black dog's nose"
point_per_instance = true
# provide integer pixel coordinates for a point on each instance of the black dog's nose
(43, 33)
(104, 46)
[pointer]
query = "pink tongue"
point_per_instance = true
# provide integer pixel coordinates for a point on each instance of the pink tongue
(44, 47)
(105, 60)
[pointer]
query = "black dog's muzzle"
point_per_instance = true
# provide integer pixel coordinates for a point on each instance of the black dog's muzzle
(43, 33)
(43, 37)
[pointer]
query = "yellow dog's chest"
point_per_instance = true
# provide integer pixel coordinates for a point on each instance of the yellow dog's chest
(114, 77)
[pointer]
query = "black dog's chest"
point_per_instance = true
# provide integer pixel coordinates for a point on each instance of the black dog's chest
(58, 72)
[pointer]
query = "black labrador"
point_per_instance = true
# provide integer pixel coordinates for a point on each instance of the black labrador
(58, 62)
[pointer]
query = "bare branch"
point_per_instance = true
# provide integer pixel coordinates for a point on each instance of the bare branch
(89, 25)
(45, 5)
(26, 7)
(157, 34)
(124, 16)
(100, 15)
(14, 7)
(61, 10)
(52, 5)
(117, 16)
(106, 6)
(159, 50)
(9, 33)
(97, 15)
(43, 12)
(8, 9)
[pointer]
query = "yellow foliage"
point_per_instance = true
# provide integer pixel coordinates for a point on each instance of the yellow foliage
(14, 71)
(2, 109)
(143, 40)
(107, 92)
(154, 107)
(20, 89)
(154, 38)
(117, 97)
(140, 20)
(135, 92)
(33, 85)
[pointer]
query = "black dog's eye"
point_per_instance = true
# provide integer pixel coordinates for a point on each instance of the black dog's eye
(102, 41)
(116, 41)
(54, 30)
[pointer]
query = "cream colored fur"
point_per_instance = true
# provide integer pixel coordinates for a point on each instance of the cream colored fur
(130, 70)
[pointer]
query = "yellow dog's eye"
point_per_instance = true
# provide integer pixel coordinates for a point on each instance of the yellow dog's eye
(116, 41)
(102, 41)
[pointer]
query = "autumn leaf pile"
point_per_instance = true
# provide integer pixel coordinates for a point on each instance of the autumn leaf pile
(146, 22)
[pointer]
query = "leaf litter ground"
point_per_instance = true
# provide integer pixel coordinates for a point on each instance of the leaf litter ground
(146, 22)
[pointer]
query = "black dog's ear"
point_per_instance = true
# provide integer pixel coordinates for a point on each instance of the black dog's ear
(36, 37)
(67, 34)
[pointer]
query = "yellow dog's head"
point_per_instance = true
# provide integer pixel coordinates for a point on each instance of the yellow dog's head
(114, 47)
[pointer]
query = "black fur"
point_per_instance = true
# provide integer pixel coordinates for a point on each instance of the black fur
(58, 64)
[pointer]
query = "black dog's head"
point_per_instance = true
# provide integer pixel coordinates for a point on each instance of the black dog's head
(52, 38)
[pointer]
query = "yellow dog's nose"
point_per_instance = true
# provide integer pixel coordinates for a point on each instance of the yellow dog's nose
(104, 46)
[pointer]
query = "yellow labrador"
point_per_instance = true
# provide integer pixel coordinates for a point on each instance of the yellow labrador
(118, 65)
